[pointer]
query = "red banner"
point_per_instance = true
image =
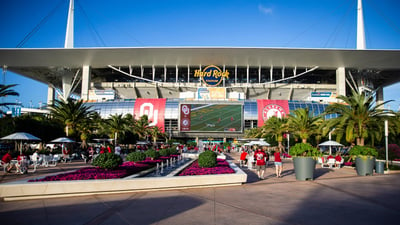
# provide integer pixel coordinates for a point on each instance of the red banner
(153, 108)
(268, 108)
(185, 111)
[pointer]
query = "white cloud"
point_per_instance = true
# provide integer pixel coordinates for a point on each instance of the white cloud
(264, 9)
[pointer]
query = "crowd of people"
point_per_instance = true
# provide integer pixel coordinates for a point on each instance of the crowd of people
(259, 157)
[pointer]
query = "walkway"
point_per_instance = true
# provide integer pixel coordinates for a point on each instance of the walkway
(334, 197)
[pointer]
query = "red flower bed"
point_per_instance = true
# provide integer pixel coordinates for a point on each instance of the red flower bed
(90, 173)
(194, 169)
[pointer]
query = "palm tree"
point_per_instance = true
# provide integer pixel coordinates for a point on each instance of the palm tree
(358, 116)
(6, 90)
(156, 133)
(303, 124)
(253, 132)
(276, 127)
(87, 127)
(71, 113)
(117, 125)
(141, 127)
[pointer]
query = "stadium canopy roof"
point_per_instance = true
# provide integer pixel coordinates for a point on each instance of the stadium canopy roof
(39, 63)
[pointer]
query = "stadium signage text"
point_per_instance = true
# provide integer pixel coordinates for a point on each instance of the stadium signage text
(211, 75)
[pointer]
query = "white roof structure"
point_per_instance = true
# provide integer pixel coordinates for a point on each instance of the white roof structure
(45, 65)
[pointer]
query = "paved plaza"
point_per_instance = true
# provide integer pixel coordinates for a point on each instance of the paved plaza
(336, 196)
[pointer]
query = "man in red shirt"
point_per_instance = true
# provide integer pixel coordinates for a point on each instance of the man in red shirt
(6, 160)
(260, 157)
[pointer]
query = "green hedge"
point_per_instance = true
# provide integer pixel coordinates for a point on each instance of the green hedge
(363, 151)
(152, 153)
(208, 159)
(107, 161)
(172, 151)
(136, 156)
(304, 150)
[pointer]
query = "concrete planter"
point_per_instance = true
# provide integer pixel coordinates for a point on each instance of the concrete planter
(304, 168)
(365, 166)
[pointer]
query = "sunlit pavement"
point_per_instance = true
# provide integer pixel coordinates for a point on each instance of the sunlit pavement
(336, 196)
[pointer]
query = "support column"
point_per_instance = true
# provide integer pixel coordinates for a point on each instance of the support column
(66, 85)
(379, 98)
(50, 95)
(85, 83)
(341, 81)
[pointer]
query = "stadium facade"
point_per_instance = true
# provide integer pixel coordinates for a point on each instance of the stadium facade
(204, 92)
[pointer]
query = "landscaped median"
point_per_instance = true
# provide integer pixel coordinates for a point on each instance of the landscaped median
(35, 190)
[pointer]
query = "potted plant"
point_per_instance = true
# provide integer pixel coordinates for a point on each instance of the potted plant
(304, 160)
(365, 159)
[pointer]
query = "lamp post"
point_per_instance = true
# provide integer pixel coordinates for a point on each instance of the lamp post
(288, 141)
(386, 144)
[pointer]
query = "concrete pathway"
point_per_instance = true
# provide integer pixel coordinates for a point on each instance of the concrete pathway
(334, 197)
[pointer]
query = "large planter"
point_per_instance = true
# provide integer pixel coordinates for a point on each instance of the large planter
(304, 168)
(365, 166)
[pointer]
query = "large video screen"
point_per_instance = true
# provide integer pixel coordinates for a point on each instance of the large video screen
(211, 117)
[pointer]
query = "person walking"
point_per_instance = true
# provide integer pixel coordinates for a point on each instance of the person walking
(278, 162)
(260, 157)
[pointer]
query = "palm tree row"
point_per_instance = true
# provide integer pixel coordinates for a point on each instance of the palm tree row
(358, 118)
(82, 121)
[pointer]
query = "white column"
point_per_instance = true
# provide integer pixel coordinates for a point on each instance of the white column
(85, 82)
(69, 35)
(50, 95)
(188, 74)
(165, 73)
(379, 97)
(66, 85)
(341, 81)
(176, 73)
(360, 27)
(271, 71)
(153, 69)
(235, 74)
(248, 73)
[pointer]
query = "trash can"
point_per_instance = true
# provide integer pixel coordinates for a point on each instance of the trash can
(379, 167)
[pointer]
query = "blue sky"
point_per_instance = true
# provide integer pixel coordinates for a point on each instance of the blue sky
(250, 23)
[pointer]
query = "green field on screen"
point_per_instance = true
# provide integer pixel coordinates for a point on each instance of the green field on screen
(216, 117)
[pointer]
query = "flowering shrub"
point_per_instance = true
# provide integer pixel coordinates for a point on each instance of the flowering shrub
(222, 167)
(136, 156)
(107, 161)
(207, 159)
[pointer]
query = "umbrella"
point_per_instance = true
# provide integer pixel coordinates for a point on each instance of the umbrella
(21, 136)
(330, 144)
(103, 140)
(62, 140)
(261, 142)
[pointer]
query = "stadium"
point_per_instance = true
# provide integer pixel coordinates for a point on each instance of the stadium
(204, 93)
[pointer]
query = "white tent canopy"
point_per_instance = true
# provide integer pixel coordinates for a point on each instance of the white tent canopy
(62, 140)
(21, 136)
(330, 144)
(260, 142)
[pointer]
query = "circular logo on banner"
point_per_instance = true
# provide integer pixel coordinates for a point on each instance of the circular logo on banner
(185, 122)
(273, 110)
(185, 110)
(212, 75)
